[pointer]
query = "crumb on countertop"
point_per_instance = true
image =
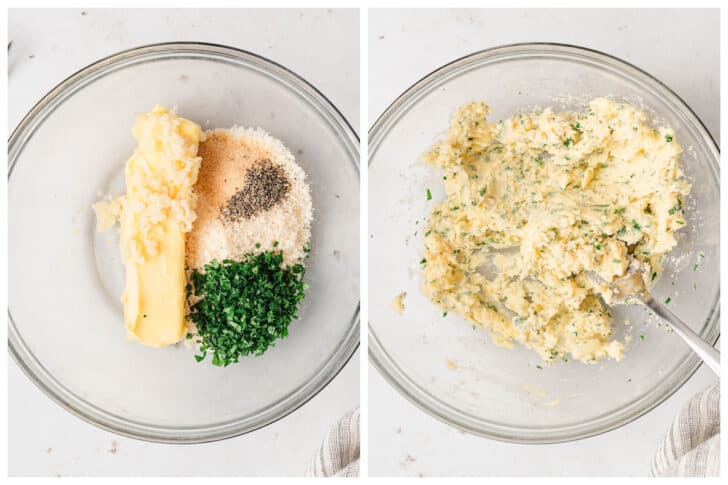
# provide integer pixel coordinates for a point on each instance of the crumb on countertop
(398, 303)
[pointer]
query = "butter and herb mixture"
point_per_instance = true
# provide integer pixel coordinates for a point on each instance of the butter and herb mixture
(569, 193)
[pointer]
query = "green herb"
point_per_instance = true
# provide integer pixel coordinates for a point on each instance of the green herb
(428, 233)
(598, 246)
(244, 305)
(636, 225)
(654, 275)
(444, 314)
(275, 244)
(618, 261)
(667, 301)
(423, 261)
(622, 231)
(668, 138)
(642, 337)
(576, 127)
(678, 207)
(619, 211)
(257, 245)
(539, 367)
(696, 266)
(568, 142)
(429, 194)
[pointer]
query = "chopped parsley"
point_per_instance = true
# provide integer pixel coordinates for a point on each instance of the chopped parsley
(668, 138)
(678, 207)
(429, 194)
(636, 225)
(244, 305)
(668, 300)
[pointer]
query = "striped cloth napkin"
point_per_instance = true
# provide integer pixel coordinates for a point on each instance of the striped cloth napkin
(692, 445)
(339, 453)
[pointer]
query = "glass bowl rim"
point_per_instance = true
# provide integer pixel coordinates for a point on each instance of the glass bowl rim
(463, 421)
(34, 369)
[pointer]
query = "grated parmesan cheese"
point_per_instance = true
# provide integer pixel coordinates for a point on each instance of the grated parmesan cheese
(227, 156)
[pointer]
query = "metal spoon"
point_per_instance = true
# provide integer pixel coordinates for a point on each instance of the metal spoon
(632, 286)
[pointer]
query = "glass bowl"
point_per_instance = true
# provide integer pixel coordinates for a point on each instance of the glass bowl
(66, 328)
(451, 369)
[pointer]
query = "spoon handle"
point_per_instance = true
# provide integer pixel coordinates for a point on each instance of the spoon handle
(705, 351)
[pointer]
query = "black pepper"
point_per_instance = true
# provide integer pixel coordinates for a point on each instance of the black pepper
(266, 185)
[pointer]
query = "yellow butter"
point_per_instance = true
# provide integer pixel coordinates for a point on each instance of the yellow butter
(156, 213)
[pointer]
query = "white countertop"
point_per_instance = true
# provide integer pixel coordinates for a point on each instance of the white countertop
(678, 47)
(49, 45)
